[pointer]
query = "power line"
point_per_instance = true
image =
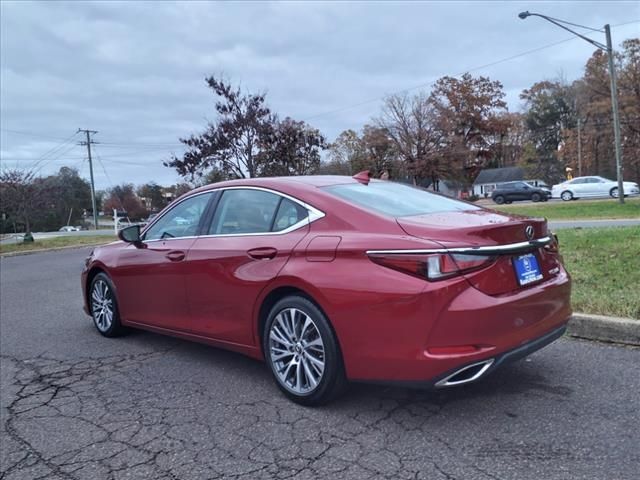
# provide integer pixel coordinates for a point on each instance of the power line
(429, 84)
(42, 163)
(115, 144)
(110, 182)
(30, 134)
(56, 150)
(577, 25)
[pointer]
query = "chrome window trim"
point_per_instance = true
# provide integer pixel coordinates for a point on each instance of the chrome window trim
(508, 248)
(314, 214)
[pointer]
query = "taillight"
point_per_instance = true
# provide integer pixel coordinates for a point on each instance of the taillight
(433, 267)
(553, 246)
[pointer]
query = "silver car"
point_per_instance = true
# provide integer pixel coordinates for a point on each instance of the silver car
(581, 187)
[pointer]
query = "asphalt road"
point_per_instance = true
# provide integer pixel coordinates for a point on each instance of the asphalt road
(77, 405)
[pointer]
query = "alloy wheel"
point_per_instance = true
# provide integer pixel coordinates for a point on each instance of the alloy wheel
(296, 351)
(102, 305)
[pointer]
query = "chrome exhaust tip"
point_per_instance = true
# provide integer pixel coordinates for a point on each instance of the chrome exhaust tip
(467, 374)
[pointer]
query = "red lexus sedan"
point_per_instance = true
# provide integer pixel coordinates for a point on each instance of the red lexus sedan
(331, 279)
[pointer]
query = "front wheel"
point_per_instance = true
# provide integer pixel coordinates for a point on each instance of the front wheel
(536, 197)
(104, 306)
(614, 192)
(302, 352)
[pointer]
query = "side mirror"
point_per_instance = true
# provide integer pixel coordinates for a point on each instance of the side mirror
(130, 234)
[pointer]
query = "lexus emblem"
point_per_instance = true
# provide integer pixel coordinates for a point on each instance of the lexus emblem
(529, 232)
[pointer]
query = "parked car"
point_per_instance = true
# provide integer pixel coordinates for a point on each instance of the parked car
(330, 279)
(581, 187)
(69, 228)
(515, 191)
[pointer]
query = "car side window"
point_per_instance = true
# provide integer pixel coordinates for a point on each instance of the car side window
(244, 211)
(289, 213)
(181, 221)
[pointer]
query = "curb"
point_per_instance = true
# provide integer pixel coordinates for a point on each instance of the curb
(604, 329)
(53, 249)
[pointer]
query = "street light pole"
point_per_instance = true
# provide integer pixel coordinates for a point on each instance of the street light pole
(616, 117)
(614, 90)
(579, 148)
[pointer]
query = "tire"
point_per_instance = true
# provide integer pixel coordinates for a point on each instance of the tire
(566, 196)
(614, 192)
(306, 363)
(499, 199)
(536, 197)
(103, 306)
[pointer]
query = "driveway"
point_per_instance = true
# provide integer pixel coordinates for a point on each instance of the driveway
(77, 405)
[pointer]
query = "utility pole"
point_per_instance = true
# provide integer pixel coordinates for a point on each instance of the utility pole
(614, 89)
(616, 118)
(93, 188)
(579, 148)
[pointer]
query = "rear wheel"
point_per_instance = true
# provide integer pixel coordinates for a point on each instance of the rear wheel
(104, 306)
(499, 199)
(536, 197)
(302, 352)
(566, 195)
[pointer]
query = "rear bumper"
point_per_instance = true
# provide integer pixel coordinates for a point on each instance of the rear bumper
(450, 327)
(489, 365)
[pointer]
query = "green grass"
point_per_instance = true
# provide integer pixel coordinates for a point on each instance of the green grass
(66, 241)
(605, 266)
(578, 209)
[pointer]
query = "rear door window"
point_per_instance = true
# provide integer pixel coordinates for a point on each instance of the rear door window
(242, 211)
(248, 211)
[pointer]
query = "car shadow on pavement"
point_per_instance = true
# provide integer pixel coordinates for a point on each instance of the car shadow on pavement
(524, 377)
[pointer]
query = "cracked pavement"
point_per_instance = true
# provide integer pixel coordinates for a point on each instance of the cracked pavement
(75, 405)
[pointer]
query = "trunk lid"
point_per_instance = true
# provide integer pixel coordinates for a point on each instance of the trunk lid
(471, 228)
(486, 228)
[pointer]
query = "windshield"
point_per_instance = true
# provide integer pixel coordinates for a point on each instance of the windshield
(396, 199)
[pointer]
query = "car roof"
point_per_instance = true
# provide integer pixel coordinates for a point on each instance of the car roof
(305, 182)
(314, 180)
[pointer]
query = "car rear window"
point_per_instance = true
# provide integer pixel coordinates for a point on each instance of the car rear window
(396, 199)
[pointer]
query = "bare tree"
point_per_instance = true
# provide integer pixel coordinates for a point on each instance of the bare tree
(24, 196)
(411, 124)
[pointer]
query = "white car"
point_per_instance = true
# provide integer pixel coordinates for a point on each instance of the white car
(581, 187)
(69, 228)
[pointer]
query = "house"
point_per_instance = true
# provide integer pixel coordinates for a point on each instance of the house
(449, 188)
(489, 178)
(445, 187)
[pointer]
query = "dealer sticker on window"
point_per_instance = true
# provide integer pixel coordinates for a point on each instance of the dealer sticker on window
(527, 269)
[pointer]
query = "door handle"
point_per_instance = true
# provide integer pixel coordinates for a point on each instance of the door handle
(265, 253)
(175, 255)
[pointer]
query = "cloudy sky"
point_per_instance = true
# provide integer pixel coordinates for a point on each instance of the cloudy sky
(135, 71)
